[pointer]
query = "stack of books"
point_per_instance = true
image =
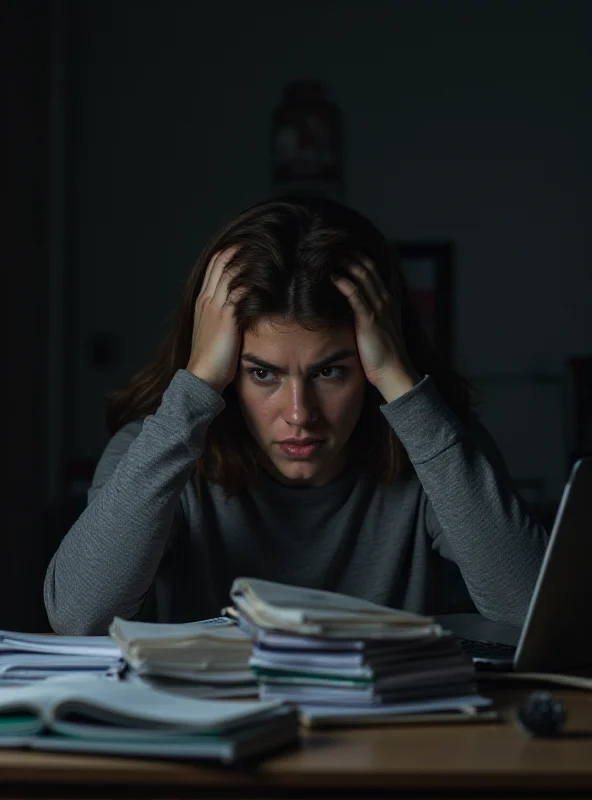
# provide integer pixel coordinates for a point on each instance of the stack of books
(322, 650)
(86, 714)
(209, 658)
(29, 657)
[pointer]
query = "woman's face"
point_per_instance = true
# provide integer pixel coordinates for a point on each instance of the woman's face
(284, 396)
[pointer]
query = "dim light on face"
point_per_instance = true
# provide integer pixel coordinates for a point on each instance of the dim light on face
(297, 384)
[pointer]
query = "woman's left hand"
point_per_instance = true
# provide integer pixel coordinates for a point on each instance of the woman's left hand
(377, 320)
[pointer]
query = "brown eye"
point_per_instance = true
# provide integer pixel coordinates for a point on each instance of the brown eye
(255, 374)
(341, 372)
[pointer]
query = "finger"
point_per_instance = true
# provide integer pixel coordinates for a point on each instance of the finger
(376, 280)
(366, 273)
(208, 275)
(222, 291)
(235, 295)
(215, 269)
(360, 305)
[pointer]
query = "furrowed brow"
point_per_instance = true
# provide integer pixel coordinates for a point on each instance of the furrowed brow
(324, 362)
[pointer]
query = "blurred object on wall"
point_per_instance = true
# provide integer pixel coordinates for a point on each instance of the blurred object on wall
(307, 143)
(427, 267)
(578, 408)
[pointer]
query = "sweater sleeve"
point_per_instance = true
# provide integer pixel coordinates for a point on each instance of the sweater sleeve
(474, 512)
(108, 560)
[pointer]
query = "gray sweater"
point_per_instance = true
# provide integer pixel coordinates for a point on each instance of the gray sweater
(454, 536)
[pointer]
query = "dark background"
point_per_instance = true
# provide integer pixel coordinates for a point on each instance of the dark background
(131, 130)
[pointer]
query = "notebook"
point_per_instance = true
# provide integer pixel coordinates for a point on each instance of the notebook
(456, 709)
(95, 715)
(319, 648)
(29, 657)
(212, 652)
(305, 611)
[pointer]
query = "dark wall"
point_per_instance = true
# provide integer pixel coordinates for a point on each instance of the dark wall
(465, 120)
(24, 315)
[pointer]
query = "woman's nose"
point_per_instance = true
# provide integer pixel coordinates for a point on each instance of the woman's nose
(301, 407)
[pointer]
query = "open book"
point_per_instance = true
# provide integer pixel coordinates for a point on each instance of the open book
(91, 714)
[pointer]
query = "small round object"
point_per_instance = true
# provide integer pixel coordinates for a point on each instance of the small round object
(542, 715)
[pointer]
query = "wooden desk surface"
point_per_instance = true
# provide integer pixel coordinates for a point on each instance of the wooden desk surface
(492, 757)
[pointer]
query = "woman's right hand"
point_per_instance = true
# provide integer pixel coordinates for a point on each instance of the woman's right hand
(216, 342)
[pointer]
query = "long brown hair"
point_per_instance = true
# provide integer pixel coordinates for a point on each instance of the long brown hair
(288, 248)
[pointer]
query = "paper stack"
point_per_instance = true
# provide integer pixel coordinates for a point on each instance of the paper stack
(92, 715)
(320, 649)
(209, 658)
(30, 657)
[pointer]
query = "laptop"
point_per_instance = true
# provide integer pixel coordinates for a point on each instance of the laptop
(557, 631)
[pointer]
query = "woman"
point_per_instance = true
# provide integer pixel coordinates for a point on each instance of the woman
(296, 425)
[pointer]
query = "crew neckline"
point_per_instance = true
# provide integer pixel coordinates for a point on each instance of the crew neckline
(300, 495)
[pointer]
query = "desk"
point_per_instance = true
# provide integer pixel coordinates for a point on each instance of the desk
(453, 760)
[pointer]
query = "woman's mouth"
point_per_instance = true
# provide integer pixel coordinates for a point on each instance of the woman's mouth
(300, 450)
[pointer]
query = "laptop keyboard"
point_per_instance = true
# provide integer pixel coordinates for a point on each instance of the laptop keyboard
(493, 650)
